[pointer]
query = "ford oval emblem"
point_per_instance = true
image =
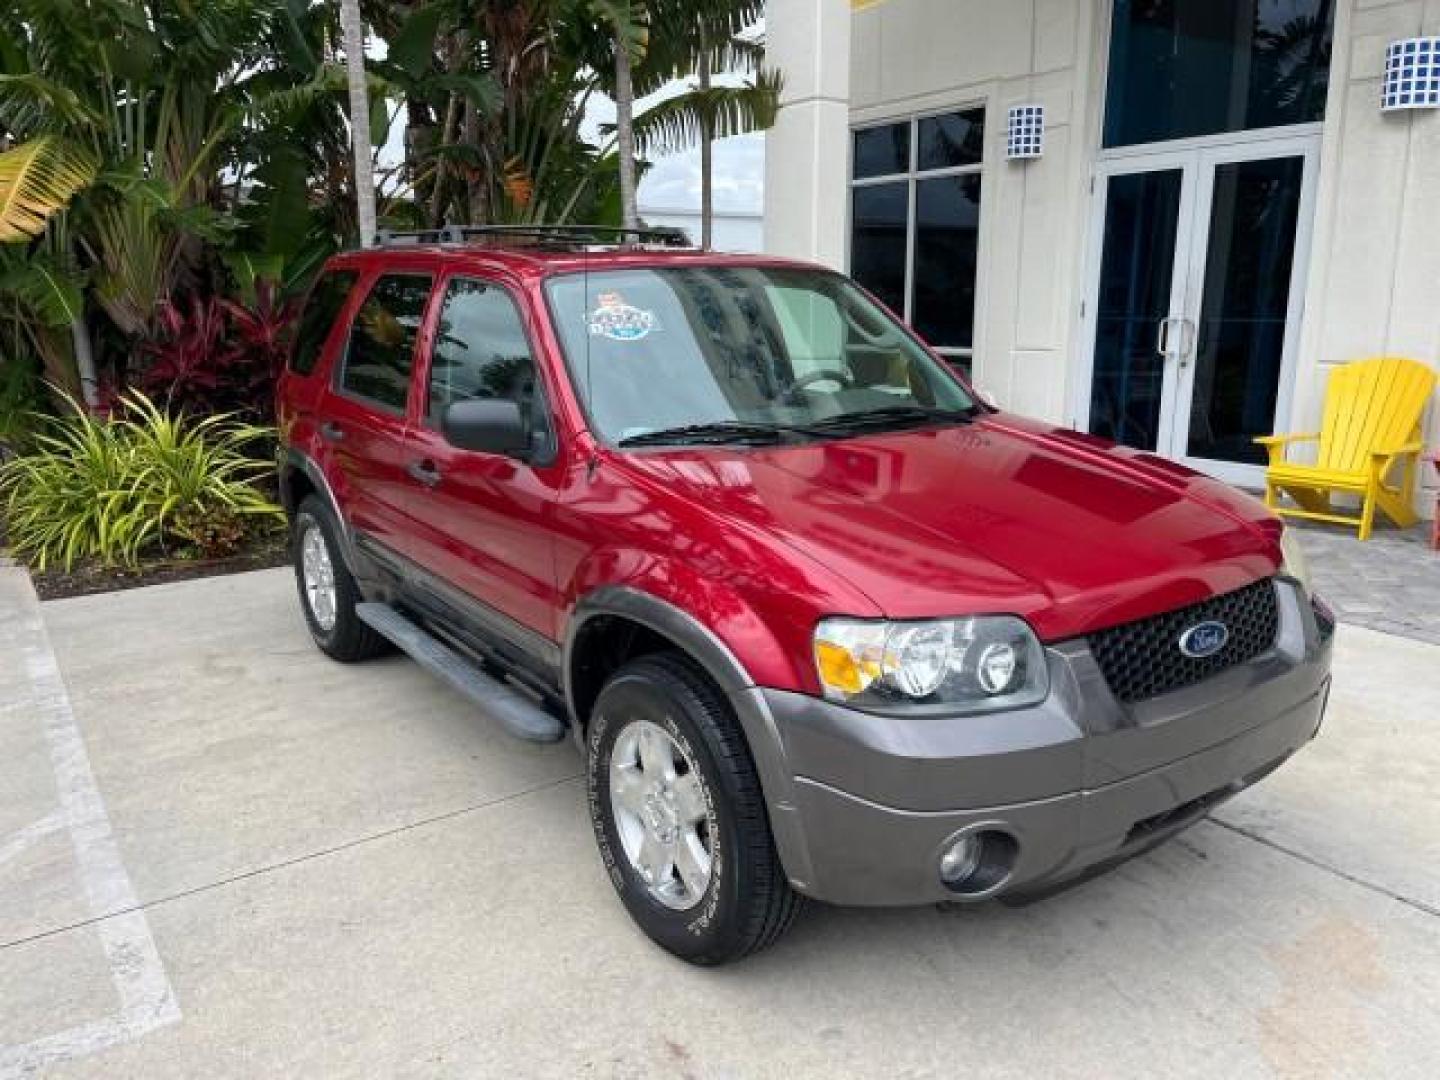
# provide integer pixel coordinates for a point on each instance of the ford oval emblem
(1204, 639)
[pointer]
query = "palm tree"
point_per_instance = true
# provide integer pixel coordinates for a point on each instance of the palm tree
(352, 30)
(37, 181)
(626, 33)
(154, 95)
(700, 38)
(625, 132)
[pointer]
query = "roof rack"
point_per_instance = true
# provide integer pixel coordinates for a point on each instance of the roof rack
(553, 236)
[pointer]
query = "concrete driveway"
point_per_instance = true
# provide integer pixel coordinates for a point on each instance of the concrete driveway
(223, 855)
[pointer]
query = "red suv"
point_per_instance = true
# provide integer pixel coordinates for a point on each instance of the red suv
(822, 622)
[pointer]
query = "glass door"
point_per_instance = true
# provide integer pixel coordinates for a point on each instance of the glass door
(1139, 295)
(1196, 297)
(1244, 305)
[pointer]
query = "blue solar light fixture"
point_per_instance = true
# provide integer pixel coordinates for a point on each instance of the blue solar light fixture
(1026, 133)
(1412, 75)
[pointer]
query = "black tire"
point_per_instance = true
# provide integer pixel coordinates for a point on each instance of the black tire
(749, 903)
(348, 640)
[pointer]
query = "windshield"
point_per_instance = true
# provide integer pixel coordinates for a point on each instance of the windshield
(741, 349)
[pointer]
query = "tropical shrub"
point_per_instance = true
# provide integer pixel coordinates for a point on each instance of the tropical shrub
(140, 483)
(219, 356)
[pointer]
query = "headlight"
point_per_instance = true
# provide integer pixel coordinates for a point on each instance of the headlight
(1295, 564)
(982, 664)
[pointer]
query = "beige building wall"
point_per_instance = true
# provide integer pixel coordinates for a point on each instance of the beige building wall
(917, 56)
(1373, 283)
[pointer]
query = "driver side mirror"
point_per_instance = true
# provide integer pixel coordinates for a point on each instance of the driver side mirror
(487, 426)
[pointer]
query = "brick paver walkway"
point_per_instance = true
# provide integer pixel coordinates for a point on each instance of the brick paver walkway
(1389, 583)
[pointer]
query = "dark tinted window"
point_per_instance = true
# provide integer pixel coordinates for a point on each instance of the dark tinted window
(381, 352)
(481, 350)
(322, 308)
(952, 140)
(881, 215)
(1180, 68)
(947, 242)
(882, 151)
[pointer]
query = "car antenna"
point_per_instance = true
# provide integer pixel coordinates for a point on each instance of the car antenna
(594, 461)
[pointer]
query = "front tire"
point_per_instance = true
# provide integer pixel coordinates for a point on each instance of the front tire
(328, 593)
(679, 817)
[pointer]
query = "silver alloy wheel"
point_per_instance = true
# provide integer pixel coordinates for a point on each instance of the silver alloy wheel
(319, 577)
(661, 814)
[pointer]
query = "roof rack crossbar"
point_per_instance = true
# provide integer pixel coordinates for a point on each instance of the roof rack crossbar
(562, 235)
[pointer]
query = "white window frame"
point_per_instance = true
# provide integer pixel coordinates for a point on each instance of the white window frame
(912, 177)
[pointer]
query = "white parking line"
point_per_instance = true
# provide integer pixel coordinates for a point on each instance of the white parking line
(146, 1000)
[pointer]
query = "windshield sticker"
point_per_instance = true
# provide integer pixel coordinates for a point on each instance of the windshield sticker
(618, 321)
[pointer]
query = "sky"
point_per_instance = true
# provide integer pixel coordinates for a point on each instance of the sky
(673, 183)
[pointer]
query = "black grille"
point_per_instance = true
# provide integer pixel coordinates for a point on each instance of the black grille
(1142, 660)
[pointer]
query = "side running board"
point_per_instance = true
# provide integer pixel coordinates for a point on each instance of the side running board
(516, 713)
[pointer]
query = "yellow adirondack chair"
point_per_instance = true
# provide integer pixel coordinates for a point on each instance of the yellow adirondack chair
(1373, 410)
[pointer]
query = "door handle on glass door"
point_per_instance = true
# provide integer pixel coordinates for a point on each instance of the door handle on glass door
(425, 472)
(1162, 345)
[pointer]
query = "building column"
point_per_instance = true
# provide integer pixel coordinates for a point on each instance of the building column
(807, 154)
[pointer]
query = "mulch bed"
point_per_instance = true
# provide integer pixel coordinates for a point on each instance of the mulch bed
(84, 579)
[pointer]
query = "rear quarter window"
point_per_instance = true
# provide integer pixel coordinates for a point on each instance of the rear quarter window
(322, 308)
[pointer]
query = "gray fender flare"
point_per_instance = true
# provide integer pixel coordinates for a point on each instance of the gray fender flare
(767, 745)
(295, 461)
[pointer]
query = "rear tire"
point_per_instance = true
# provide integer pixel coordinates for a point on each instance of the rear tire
(715, 891)
(328, 593)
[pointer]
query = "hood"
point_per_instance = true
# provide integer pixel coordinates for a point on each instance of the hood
(1002, 515)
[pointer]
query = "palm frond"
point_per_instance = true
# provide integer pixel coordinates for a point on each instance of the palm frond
(45, 289)
(38, 179)
(680, 122)
(31, 104)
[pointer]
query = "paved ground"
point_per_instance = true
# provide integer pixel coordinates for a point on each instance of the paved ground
(222, 855)
(1389, 583)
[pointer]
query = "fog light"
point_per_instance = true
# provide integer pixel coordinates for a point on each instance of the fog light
(979, 863)
(961, 860)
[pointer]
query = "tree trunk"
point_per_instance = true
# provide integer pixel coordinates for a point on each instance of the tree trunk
(85, 363)
(625, 133)
(448, 124)
(478, 185)
(707, 149)
(354, 33)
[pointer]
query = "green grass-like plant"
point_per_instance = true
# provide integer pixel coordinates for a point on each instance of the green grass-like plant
(114, 490)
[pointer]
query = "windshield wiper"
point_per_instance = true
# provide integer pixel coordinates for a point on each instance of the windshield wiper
(893, 416)
(718, 432)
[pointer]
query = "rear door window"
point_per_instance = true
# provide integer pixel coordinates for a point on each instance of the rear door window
(381, 353)
(322, 308)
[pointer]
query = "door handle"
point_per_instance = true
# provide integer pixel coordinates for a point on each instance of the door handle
(331, 431)
(1162, 344)
(424, 472)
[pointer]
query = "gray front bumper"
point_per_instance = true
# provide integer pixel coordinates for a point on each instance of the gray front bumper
(862, 806)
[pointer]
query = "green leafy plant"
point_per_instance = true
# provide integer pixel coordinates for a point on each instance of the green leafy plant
(38, 179)
(114, 490)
